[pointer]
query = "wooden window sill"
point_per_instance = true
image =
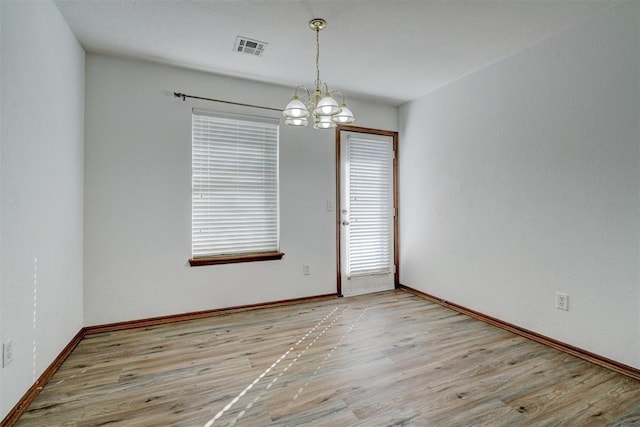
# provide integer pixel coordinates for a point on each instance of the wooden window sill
(232, 259)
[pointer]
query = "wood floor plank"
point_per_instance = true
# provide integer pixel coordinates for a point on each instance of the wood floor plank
(373, 360)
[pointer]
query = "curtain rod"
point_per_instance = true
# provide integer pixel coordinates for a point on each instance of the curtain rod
(184, 97)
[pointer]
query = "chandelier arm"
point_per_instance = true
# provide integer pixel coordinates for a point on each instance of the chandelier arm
(339, 93)
(305, 89)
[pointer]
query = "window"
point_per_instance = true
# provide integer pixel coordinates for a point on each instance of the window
(234, 189)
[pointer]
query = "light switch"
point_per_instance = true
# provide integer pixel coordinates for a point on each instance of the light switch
(331, 205)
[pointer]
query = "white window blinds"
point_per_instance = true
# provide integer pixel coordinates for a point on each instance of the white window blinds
(370, 181)
(234, 185)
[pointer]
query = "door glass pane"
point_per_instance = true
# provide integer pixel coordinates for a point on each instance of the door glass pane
(370, 207)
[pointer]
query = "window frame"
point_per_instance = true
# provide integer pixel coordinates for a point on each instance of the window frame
(241, 257)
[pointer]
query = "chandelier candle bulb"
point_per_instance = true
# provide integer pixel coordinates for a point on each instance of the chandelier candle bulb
(344, 116)
(327, 106)
(296, 108)
(302, 121)
(324, 122)
(325, 110)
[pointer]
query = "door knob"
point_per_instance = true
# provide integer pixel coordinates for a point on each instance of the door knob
(345, 222)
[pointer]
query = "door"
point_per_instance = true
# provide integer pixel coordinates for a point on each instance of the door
(366, 212)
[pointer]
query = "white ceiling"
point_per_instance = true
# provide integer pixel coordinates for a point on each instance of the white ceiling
(391, 51)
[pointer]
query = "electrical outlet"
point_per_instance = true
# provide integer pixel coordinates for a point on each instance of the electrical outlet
(562, 301)
(306, 269)
(7, 353)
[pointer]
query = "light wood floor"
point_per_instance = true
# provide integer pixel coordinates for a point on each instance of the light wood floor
(384, 359)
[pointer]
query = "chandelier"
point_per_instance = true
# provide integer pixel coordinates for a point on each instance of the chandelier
(325, 111)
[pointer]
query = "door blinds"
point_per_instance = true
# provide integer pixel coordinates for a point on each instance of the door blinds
(370, 174)
(234, 185)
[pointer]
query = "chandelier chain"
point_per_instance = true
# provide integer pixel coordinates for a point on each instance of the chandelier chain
(318, 81)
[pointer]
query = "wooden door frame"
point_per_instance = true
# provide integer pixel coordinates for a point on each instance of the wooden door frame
(396, 257)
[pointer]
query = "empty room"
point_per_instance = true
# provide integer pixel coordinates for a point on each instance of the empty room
(335, 212)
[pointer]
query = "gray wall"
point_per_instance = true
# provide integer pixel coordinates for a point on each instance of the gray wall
(522, 179)
(42, 92)
(138, 195)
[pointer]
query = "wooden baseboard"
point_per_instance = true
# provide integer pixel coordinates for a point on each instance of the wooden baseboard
(534, 336)
(23, 404)
(155, 321)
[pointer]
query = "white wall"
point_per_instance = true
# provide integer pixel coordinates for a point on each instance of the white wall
(42, 92)
(523, 179)
(138, 196)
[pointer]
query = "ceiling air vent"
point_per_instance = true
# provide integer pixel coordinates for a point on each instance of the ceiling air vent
(249, 46)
